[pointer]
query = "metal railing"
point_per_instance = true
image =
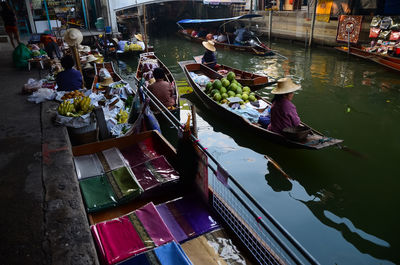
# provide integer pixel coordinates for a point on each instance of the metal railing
(268, 241)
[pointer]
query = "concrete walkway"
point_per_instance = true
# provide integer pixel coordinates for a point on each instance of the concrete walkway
(43, 220)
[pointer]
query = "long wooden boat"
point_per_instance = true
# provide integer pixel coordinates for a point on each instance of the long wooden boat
(257, 50)
(254, 81)
(385, 60)
(189, 217)
(314, 140)
(168, 75)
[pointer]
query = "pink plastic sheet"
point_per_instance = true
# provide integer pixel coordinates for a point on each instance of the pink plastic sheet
(154, 172)
(129, 235)
(140, 153)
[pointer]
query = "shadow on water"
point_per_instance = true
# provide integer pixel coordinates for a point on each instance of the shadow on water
(355, 192)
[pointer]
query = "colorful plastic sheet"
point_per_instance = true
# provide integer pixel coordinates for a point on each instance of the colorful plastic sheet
(187, 218)
(124, 184)
(97, 193)
(168, 254)
(139, 153)
(114, 159)
(154, 172)
(88, 166)
(129, 235)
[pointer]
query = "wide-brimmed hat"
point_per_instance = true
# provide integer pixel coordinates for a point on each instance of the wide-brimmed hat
(209, 45)
(84, 48)
(139, 37)
(107, 82)
(73, 37)
(88, 66)
(91, 58)
(285, 85)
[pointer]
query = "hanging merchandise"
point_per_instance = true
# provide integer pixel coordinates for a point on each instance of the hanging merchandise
(375, 22)
(384, 34)
(374, 32)
(395, 35)
(386, 23)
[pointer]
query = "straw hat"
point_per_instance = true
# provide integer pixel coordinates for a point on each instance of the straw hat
(73, 37)
(84, 48)
(209, 45)
(107, 82)
(285, 85)
(139, 37)
(88, 66)
(91, 58)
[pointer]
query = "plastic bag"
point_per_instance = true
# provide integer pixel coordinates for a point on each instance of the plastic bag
(42, 95)
(386, 23)
(375, 21)
(374, 32)
(104, 74)
(395, 35)
(32, 85)
(384, 34)
(21, 55)
(150, 120)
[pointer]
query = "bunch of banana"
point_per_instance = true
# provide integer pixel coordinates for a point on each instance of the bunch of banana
(66, 108)
(82, 105)
(122, 116)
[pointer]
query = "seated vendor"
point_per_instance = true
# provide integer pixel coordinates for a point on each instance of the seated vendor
(209, 59)
(69, 79)
(162, 89)
(241, 35)
(283, 111)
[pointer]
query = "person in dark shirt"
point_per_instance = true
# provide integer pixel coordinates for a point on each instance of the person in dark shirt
(69, 79)
(209, 57)
(10, 23)
(162, 89)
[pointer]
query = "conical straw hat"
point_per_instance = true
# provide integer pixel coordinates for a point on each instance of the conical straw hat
(209, 45)
(285, 85)
(73, 37)
(139, 37)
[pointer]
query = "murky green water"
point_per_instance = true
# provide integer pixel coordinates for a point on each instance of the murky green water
(342, 206)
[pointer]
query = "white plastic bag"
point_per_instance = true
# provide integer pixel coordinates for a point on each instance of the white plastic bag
(42, 95)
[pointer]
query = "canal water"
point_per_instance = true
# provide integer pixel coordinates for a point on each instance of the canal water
(342, 204)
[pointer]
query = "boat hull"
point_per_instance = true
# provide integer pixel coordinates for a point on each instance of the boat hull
(315, 140)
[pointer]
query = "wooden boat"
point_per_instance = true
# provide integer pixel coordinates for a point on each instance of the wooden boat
(254, 81)
(385, 60)
(257, 50)
(314, 140)
(168, 75)
(211, 202)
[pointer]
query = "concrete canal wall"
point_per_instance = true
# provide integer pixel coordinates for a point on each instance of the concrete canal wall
(297, 26)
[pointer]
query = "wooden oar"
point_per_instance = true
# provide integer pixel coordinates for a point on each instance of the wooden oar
(278, 167)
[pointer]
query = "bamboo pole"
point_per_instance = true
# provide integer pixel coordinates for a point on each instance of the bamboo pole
(75, 55)
(145, 29)
(313, 23)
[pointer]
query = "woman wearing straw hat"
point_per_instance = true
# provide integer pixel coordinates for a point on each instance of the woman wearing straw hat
(69, 79)
(283, 111)
(209, 57)
(139, 41)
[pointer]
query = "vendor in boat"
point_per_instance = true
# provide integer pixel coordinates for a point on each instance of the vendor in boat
(209, 57)
(69, 79)
(162, 89)
(242, 35)
(283, 111)
(139, 41)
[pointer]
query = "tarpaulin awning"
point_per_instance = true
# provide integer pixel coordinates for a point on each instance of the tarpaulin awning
(186, 21)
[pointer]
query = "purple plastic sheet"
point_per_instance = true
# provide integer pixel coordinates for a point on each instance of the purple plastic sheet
(187, 218)
(154, 172)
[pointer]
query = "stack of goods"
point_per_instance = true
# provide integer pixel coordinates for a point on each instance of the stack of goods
(147, 66)
(385, 33)
(112, 177)
(105, 179)
(131, 234)
(187, 218)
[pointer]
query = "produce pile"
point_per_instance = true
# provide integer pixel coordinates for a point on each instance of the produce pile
(221, 90)
(73, 94)
(80, 106)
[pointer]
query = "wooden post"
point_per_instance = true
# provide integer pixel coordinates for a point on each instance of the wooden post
(75, 55)
(145, 29)
(270, 27)
(313, 23)
(194, 120)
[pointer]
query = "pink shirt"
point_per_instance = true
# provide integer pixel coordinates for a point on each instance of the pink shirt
(283, 114)
(164, 92)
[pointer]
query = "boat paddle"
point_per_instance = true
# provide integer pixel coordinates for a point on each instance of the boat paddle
(278, 167)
